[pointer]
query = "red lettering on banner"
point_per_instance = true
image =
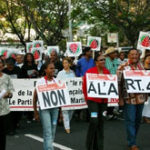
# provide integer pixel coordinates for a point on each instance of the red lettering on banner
(137, 73)
(49, 87)
(102, 77)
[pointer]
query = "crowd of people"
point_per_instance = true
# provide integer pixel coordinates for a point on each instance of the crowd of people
(52, 68)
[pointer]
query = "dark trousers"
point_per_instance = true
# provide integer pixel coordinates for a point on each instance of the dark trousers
(95, 135)
(3, 132)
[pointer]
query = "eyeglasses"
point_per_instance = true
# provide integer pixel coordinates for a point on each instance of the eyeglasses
(101, 60)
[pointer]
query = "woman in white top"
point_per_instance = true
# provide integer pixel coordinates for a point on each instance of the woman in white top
(63, 74)
(6, 89)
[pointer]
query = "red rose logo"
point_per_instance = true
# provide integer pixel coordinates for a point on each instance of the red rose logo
(93, 44)
(74, 48)
(145, 41)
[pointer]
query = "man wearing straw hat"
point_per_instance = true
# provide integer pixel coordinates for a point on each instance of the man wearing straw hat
(111, 64)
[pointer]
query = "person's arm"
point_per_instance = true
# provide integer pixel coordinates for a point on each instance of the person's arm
(35, 98)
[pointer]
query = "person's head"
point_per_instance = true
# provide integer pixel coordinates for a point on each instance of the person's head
(67, 63)
(53, 56)
(10, 63)
(111, 52)
(133, 56)
(122, 55)
(113, 55)
(147, 52)
(1, 64)
(19, 59)
(87, 52)
(147, 60)
(29, 58)
(49, 69)
(99, 60)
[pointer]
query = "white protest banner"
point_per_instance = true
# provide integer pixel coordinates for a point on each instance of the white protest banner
(74, 86)
(94, 43)
(102, 86)
(53, 95)
(74, 49)
(137, 81)
(4, 52)
(144, 41)
(37, 53)
(112, 37)
(23, 95)
(37, 44)
(52, 48)
(29, 46)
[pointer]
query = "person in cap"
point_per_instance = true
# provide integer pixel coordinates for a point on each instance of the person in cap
(84, 63)
(111, 64)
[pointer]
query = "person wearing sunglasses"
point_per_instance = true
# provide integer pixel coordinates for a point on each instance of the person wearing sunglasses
(96, 107)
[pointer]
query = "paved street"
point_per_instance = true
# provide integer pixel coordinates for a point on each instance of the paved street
(29, 137)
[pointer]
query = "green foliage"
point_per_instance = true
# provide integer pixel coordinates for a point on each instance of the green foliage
(125, 16)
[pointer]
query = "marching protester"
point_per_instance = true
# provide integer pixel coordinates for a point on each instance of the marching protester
(84, 63)
(29, 70)
(6, 89)
(133, 102)
(111, 64)
(14, 73)
(146, 110)
(66, 73)
(48, 117)
(96, 107)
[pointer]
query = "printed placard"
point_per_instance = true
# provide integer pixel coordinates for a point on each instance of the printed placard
(137, 81)
(102, 86)
(4, 52)
(112, 37)
(144, 41)
(29, 47)
(37, 53)
(53, 95)
(74, 86)
(38, 44)
(94, 43)
(74, 49)
(22, 99)
(52, 48)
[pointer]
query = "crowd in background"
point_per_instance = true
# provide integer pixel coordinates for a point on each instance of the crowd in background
(24, 66)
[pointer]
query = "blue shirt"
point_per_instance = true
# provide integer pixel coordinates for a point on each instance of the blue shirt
(63, 74)
(83, 65)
